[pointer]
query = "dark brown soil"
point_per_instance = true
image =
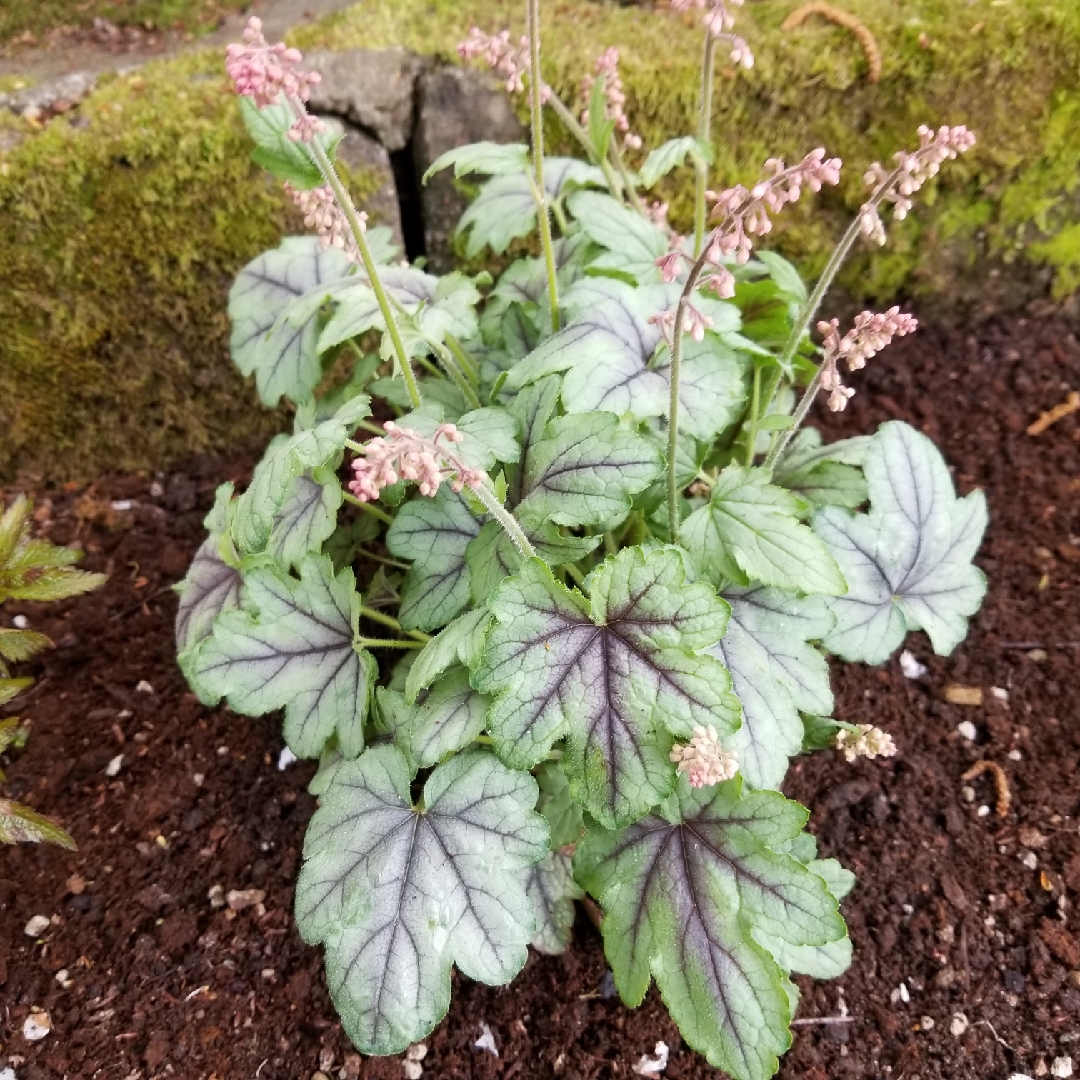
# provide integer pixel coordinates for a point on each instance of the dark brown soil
(957, 910)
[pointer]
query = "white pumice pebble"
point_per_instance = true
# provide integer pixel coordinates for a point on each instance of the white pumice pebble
(1030, 859)
(143, 687)
(20, 622)
(157, 489)
(63, 977)
(655, 1065)
(984, 811)
(37, 1025)
(1015, 755)
(958, 1025)
(36, 926)
(1062, 1067)
(1019, 1076)
(968, 793)
(1000, 693)
(285, 759)
(927, 1023)
(968, 730)
(114, 765)
(198, 778)
(486, 1041)
(910, 667)
(121, 504)
(8, 1074)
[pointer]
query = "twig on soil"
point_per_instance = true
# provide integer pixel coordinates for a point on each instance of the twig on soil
(1025, 645)
(845, 19)
(1070, 405)
(1001, 783)
(807, 1021)
(997, 1038)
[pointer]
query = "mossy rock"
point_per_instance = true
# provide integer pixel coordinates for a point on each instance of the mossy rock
(121, 231)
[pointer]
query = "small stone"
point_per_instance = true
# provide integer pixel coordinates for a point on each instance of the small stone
(655, 1065)
(1015, 755)
(1000, 693)
(1030, 859)
(1062, 1067)
(416, 1052)
(121, 505)
(114, 766)
(486, 1041)
(955, 694)
(1019, 1076)
(1041, 1068)
(239, 899)
(285, 759)
(927, 1023)
(216, 896)
(1032, 838)
(198, 778)
(20, 622)
(968, 793)
(984, 811)
(910, 667)
(37, 1025)
(968, 730)
(143, 687)
(36, 926)
(268, 974)
(1038, 655)
(76, 884)
(222, 751)
(63, 977)
(958, 1025)
(413, 1070)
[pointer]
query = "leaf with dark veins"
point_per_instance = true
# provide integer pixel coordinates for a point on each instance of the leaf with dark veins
(776, 674)
(434, 533)
(283, 354)
(616, 674)
(684, 891)
(308, 517)
(448, 719)
(291, 647)
(552, 890)
(908, 563)
(399, 894)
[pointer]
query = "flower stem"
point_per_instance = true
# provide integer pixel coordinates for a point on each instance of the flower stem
(505, 519)
(673, 400)
(537, 118)
(776, 451)
(388, 643)
(326, 167)
(701, 167)
(468, 364)
(455, 373)
(627, 180)
(755, 405)
(368, 508)
(395, 563)
(389, 620)
(558, 106)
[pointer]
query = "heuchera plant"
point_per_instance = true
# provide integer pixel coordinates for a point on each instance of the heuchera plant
(30, 569)
(597, 494)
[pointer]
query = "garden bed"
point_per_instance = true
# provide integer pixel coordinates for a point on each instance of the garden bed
(957, 910)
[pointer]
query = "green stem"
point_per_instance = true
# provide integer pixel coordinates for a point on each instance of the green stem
(389, 620)
(455, 373)
(776, 451)
(570, 122)
(575, 573)
(701, 168)
(673, 400)
(326, 167)
(396, 564)
(368, 508)
(467, 363)
(627, 180)
(755, 404)
(387, 643)
(505, 519)
(540, 192)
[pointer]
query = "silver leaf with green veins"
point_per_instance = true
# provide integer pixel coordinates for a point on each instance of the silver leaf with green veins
(749, 531)
(399, 894)
(451, 716)
(552, 890)
(616, 674)
(307, 518)
(292, 647)
(908, 562)
(684, 891)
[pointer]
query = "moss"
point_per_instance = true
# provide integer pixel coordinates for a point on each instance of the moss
(1009, 69)
(119, 238)
(119, 241)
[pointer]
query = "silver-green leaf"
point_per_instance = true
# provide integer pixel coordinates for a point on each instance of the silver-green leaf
(685, 890)
(908, 561)
(552, 890)
(399, 894)
(616, 674)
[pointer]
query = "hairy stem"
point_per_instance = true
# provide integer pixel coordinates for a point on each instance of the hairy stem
(776, 451)
(468, 364)
(701, 168)
(505, 519)
(627, 180)
(389, 620)
(537, 118)
(673, 400)
(755, 404)
(570, 122)
(388, 643)
(326, 167)
(455, 373)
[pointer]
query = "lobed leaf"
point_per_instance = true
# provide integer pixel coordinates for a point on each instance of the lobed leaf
(19, 824)
(292, 647)
(685, 891)
(631, 241)
(307, 518)
(671, 155)
(908, 562)
(615, 674)
(493, 159)
(399, 894)
(449, 718)
(749, 531)
(460, 642)
(552, 891)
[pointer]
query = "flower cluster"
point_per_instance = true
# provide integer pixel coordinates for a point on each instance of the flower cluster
(910, 171)
(870, 742)
(703, 760)
(502, 56)
(322, 213)
(608, 66)
(870, 334)
(404, 454)
(718, 21)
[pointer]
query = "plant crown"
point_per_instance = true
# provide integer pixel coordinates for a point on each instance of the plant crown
(30, 569)
(610, 561)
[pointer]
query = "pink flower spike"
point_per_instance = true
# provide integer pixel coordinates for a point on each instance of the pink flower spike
(404, 454)
(670, 266)
(263, 72)
(703, 760)
(870, 334)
